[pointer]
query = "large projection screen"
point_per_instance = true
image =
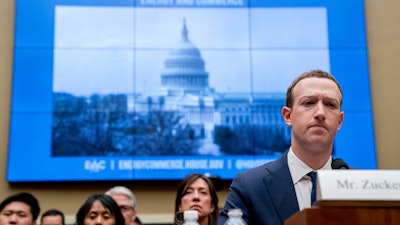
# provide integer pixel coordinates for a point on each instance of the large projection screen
(156, 89)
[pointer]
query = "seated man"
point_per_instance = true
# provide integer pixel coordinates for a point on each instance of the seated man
(52, 217)
(19, 209)
(271, 193)
(126, 201)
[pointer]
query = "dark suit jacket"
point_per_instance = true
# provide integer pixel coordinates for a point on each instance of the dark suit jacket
(265, 194)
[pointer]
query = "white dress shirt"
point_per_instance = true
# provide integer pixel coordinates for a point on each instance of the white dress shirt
(301, 181)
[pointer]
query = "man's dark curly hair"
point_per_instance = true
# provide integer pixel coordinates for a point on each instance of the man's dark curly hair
(24, 197)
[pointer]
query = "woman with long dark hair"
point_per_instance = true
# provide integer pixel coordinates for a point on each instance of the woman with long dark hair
(197, 192)
(99, 209)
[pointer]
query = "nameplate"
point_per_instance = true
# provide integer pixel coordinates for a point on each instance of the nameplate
(358, 188)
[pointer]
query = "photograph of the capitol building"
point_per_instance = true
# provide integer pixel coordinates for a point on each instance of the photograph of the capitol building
(185, 116)
(185, 90)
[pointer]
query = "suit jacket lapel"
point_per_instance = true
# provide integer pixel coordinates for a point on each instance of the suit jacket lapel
(280, 187)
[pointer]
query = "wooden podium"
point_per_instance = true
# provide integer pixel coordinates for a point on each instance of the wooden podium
(353, 197)
(318, 215)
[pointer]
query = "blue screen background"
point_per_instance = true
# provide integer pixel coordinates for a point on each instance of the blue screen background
(29, 157)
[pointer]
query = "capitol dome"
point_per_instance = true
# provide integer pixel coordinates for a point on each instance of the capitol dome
(184, 68)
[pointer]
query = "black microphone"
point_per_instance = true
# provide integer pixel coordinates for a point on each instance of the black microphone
(338, 163)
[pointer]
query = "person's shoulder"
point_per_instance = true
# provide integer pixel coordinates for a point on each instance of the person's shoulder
(255, 171)
(266, 167)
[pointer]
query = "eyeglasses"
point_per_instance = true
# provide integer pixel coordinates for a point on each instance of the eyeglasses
(125, 208)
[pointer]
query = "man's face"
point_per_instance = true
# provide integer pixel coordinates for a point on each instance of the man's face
(17, 213)
(52, 220)
(315, 116)
(124, 203)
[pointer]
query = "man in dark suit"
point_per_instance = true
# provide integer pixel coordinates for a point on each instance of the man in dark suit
(271, 193)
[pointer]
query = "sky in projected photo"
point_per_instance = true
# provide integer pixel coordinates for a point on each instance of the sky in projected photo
(106, 50)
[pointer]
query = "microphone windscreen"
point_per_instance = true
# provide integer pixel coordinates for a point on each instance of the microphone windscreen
(338, 163)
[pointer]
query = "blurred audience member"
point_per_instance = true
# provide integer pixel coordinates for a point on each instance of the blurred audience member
(19, 209)
(137, 221)
(52, 217)
(99, 209)
(197, 192)
(126, 201)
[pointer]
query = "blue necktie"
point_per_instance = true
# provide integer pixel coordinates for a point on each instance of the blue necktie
(313, 176)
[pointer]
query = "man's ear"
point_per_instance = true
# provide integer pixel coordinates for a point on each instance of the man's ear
(286, 114)
(341, 119)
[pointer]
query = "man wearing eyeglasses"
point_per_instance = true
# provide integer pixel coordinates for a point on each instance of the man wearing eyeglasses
(127, 203)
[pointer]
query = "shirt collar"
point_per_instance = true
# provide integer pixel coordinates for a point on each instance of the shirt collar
(298, 168)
